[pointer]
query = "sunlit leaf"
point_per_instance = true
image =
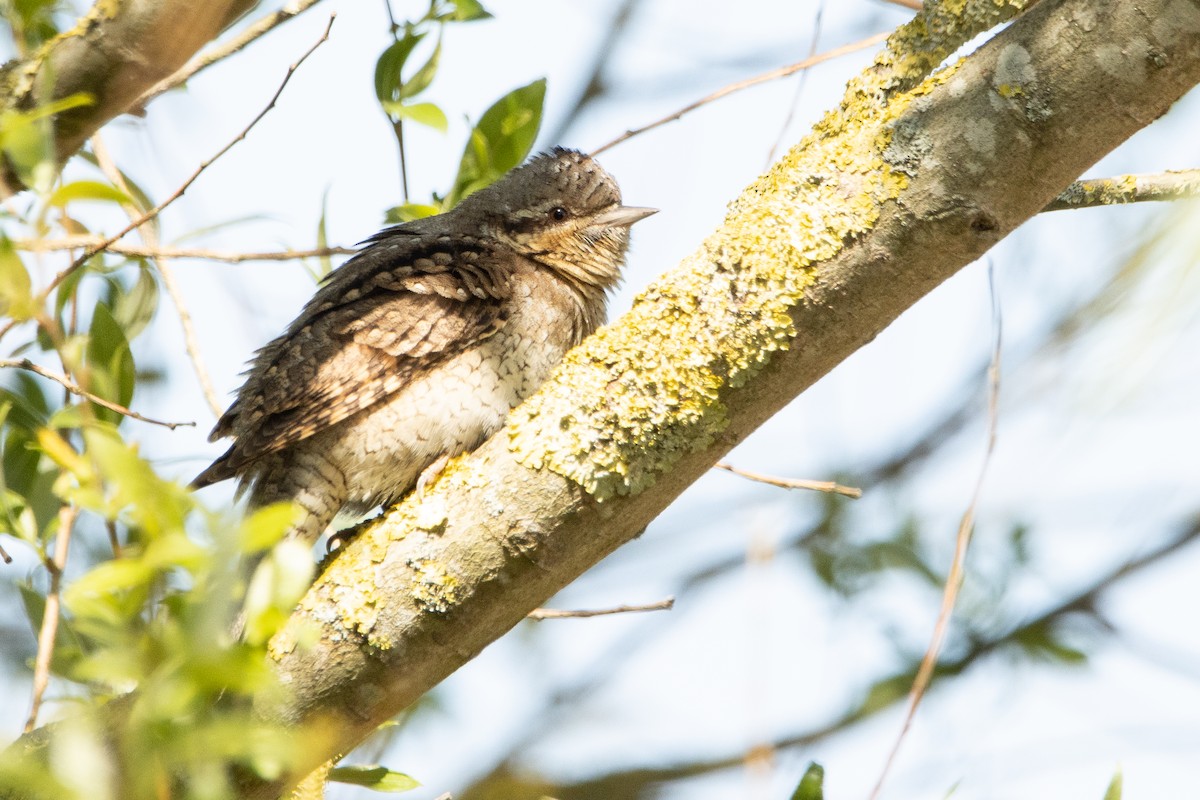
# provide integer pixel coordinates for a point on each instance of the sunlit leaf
(409, 211)
(390, 64)
(16, 292)
(134, 308)
(1115, 787)
(157, 506)
(111, 362)
(422, 113)
(500, 141)
(467, 11)
(265, 527)
(86, 190)
(812, 785)
(379, 779)
(278, 583)
(421, 79)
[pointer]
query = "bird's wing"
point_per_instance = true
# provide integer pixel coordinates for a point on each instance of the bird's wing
(399, 308)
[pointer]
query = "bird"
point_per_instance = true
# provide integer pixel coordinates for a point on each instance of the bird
(415, 349)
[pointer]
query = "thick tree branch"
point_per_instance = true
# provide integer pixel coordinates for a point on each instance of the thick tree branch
(115, 52)
(911, 179)
(908, 182)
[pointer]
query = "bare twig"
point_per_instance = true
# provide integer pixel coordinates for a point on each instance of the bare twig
(774, 74)
(76, 389)
(632, 780)
(146, 251)
(793, 483)
(49, 629)
(915, 5)
(787, 121)
(1170, 185)
(154, 212)
(267, 23)
(149, 235)
(963, 539)
(594, 86)
(554, 613)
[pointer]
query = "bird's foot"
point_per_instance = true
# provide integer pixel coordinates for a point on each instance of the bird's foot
(431, 473)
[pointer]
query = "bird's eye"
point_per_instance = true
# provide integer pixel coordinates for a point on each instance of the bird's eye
(558, 213)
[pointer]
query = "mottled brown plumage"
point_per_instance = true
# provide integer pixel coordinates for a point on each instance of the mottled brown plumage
(416, 348)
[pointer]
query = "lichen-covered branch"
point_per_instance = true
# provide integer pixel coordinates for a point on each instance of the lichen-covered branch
(1094, 192)
(912, 178)
(115, 52)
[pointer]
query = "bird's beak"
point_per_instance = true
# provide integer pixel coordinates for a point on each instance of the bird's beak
(622, 216)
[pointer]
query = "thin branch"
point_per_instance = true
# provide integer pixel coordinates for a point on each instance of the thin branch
(158, 252)
(793, 483)
(1120, 189)
(594, 87)
(915, 5)
(149, 235)
(787, 121)
(631, 781)
(76, 389)
(963, 539)
(774, 74)
(554, 613)
(267, 23)
(49, 629)
(154, 212)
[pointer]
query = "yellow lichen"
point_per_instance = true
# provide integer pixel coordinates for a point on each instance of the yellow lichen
(635, 397)
(433, 587)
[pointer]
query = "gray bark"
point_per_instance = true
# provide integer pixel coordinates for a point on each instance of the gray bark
(115, 52)
(908, 182)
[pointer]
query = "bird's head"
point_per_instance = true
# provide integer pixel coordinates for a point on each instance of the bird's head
(563, 210)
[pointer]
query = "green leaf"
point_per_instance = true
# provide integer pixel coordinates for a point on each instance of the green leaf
(421, 113)
(86, 190)
(265, 527)
(467, 11)
(421, 79)
(500, 141)
(1115, 787)
(157, 506)
(120, 575)
(391, 63)
(410, 211)
(278, 583)
(811, 786)
(27, 138)
(324, 263)
(111, 363)
(134, 308)
(16, 292)
(380, 779)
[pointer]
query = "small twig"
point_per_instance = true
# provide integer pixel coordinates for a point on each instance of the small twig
(787, 121)
(774, 74)
(150, 237)
(594, 87)
(793, 483)
(76, 389)
(113, 539)
(154, 212)
(49, 629)
(205, 60)
(554, 613)
(1170, 185)
(177, 253)
(915, 5)
(963, 539)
